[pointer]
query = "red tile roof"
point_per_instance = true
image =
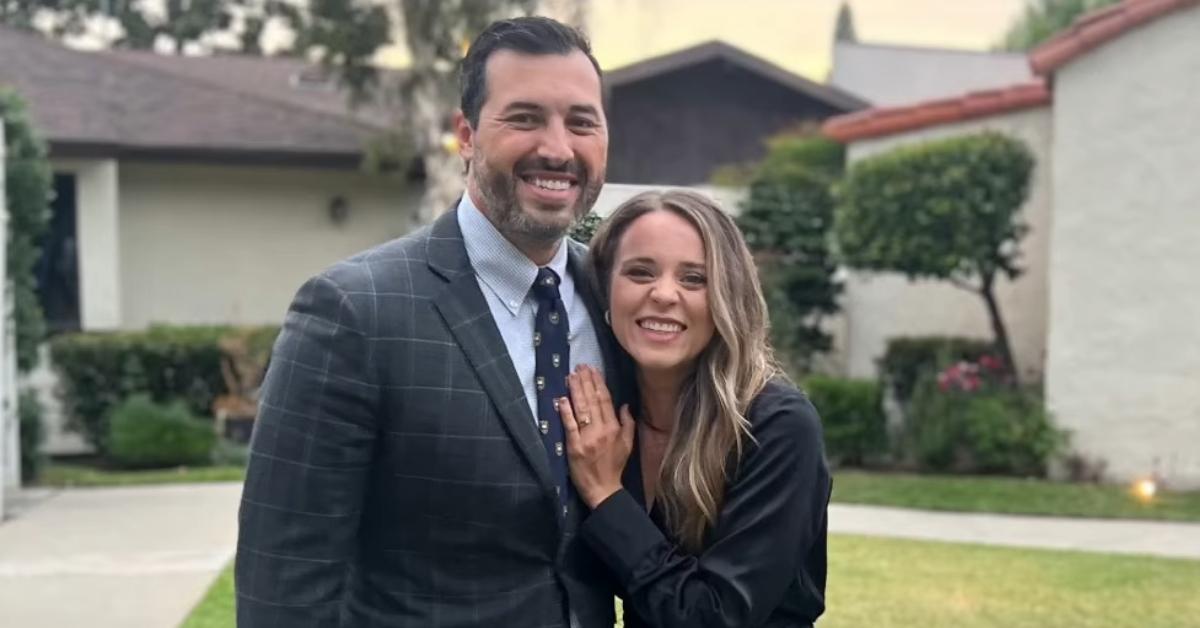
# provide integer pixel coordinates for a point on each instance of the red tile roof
(890, 120)
(1099, 27)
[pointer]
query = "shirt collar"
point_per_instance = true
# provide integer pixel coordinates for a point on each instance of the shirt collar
(499, 264)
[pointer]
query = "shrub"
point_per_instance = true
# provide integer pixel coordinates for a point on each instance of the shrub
(144, 434)
(908, 359)
(945, 209)
(29, 410)
(968, 420)
(852, 417)
(100, 370)
(28, 183)
(786, 220)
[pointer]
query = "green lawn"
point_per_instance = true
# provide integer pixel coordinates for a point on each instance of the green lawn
(886, 583)
(78, 475)
(216, 609)
(1008, 495)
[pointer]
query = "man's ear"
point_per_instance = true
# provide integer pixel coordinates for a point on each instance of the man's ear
(464, 135)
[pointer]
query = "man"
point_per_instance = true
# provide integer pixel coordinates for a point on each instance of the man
(407, 465)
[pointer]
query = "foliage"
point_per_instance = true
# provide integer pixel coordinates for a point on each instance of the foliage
(906, 360)
(100, 370)
(145, 434)
(946, 209)
(143, 25)
(968, 419)
(28, 188)
(1042, 19)
(851, 416)
(845, 24)
(1016, 496)
(585, 228)
(786, 221)
(29, 411)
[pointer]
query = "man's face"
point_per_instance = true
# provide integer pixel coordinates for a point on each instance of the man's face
(538, 154)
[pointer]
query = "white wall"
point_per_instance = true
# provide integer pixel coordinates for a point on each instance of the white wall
(880, 306)
(1124, 351)
(204, 244)
(900, 75)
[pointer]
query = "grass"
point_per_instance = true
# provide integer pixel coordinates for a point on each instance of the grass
(80, 475)
(216, 609)
(888, 583)
(1009, 495)
(885, 583)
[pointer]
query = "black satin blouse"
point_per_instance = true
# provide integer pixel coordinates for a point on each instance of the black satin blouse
(763, 563)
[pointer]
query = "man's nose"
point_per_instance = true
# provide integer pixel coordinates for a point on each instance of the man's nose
(555, 144)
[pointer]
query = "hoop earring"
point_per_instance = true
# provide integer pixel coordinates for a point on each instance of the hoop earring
(608, 317)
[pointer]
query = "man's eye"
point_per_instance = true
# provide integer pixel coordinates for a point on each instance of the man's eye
(523, 119)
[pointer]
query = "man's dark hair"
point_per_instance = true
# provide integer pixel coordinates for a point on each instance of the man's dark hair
(527, 35)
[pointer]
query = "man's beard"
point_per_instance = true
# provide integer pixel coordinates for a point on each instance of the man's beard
(499, 192)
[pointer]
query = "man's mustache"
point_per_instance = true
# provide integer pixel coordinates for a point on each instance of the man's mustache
(572, 167)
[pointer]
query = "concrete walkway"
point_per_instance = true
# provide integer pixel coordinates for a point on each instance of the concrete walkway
(143, 557)
(1175, 540)
(114, 557)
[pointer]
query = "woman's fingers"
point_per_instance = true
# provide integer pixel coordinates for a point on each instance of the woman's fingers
(568, 418)
(604, 405)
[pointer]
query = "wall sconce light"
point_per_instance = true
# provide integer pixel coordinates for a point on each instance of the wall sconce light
(339, 210)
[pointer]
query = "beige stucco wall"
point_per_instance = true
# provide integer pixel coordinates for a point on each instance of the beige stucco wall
(202, 244)
(880, 306)
(1124, 351)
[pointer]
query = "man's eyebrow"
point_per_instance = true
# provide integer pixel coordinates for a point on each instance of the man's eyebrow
(522, 106)
(585, 109)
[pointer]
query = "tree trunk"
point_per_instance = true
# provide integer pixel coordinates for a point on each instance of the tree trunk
(987, 291)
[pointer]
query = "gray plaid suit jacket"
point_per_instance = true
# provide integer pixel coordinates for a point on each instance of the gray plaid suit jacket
(396, 475)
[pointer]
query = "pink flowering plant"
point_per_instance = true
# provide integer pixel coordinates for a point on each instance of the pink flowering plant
(970, 417)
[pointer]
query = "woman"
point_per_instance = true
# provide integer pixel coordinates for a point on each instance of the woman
(721, 518)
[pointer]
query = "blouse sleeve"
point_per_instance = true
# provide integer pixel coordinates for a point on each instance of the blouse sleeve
(772, 517)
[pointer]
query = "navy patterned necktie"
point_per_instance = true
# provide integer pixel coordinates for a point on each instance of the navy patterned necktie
(553, 351)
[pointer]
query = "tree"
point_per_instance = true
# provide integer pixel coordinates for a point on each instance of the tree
(944, 210)
(845, 24)
(27, 181)
(786, 221)
(1042, 19)
(179, 23)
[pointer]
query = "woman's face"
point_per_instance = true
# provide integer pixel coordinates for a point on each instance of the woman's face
(659, 294)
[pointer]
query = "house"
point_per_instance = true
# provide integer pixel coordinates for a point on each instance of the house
(676, 118)
(887, 75)
(186, 199)
(1108, 312)
(194, 191)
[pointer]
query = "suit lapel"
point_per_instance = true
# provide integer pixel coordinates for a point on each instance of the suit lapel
(467, 315)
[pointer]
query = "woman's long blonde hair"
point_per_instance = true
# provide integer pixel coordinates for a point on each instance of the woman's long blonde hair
(711, 426)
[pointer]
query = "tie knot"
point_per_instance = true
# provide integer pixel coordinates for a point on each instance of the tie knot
(545, 287)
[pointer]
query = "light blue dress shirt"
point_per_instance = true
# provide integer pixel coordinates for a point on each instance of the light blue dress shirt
(505, 276)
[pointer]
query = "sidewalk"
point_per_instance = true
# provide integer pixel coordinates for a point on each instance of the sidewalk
(114, 557)
(1173, 540)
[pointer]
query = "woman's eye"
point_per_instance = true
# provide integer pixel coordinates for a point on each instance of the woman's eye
(695, 279)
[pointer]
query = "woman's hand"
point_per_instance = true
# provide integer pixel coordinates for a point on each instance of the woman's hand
(598, 442)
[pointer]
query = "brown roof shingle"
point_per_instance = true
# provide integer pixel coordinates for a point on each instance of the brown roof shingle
(103, 103)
